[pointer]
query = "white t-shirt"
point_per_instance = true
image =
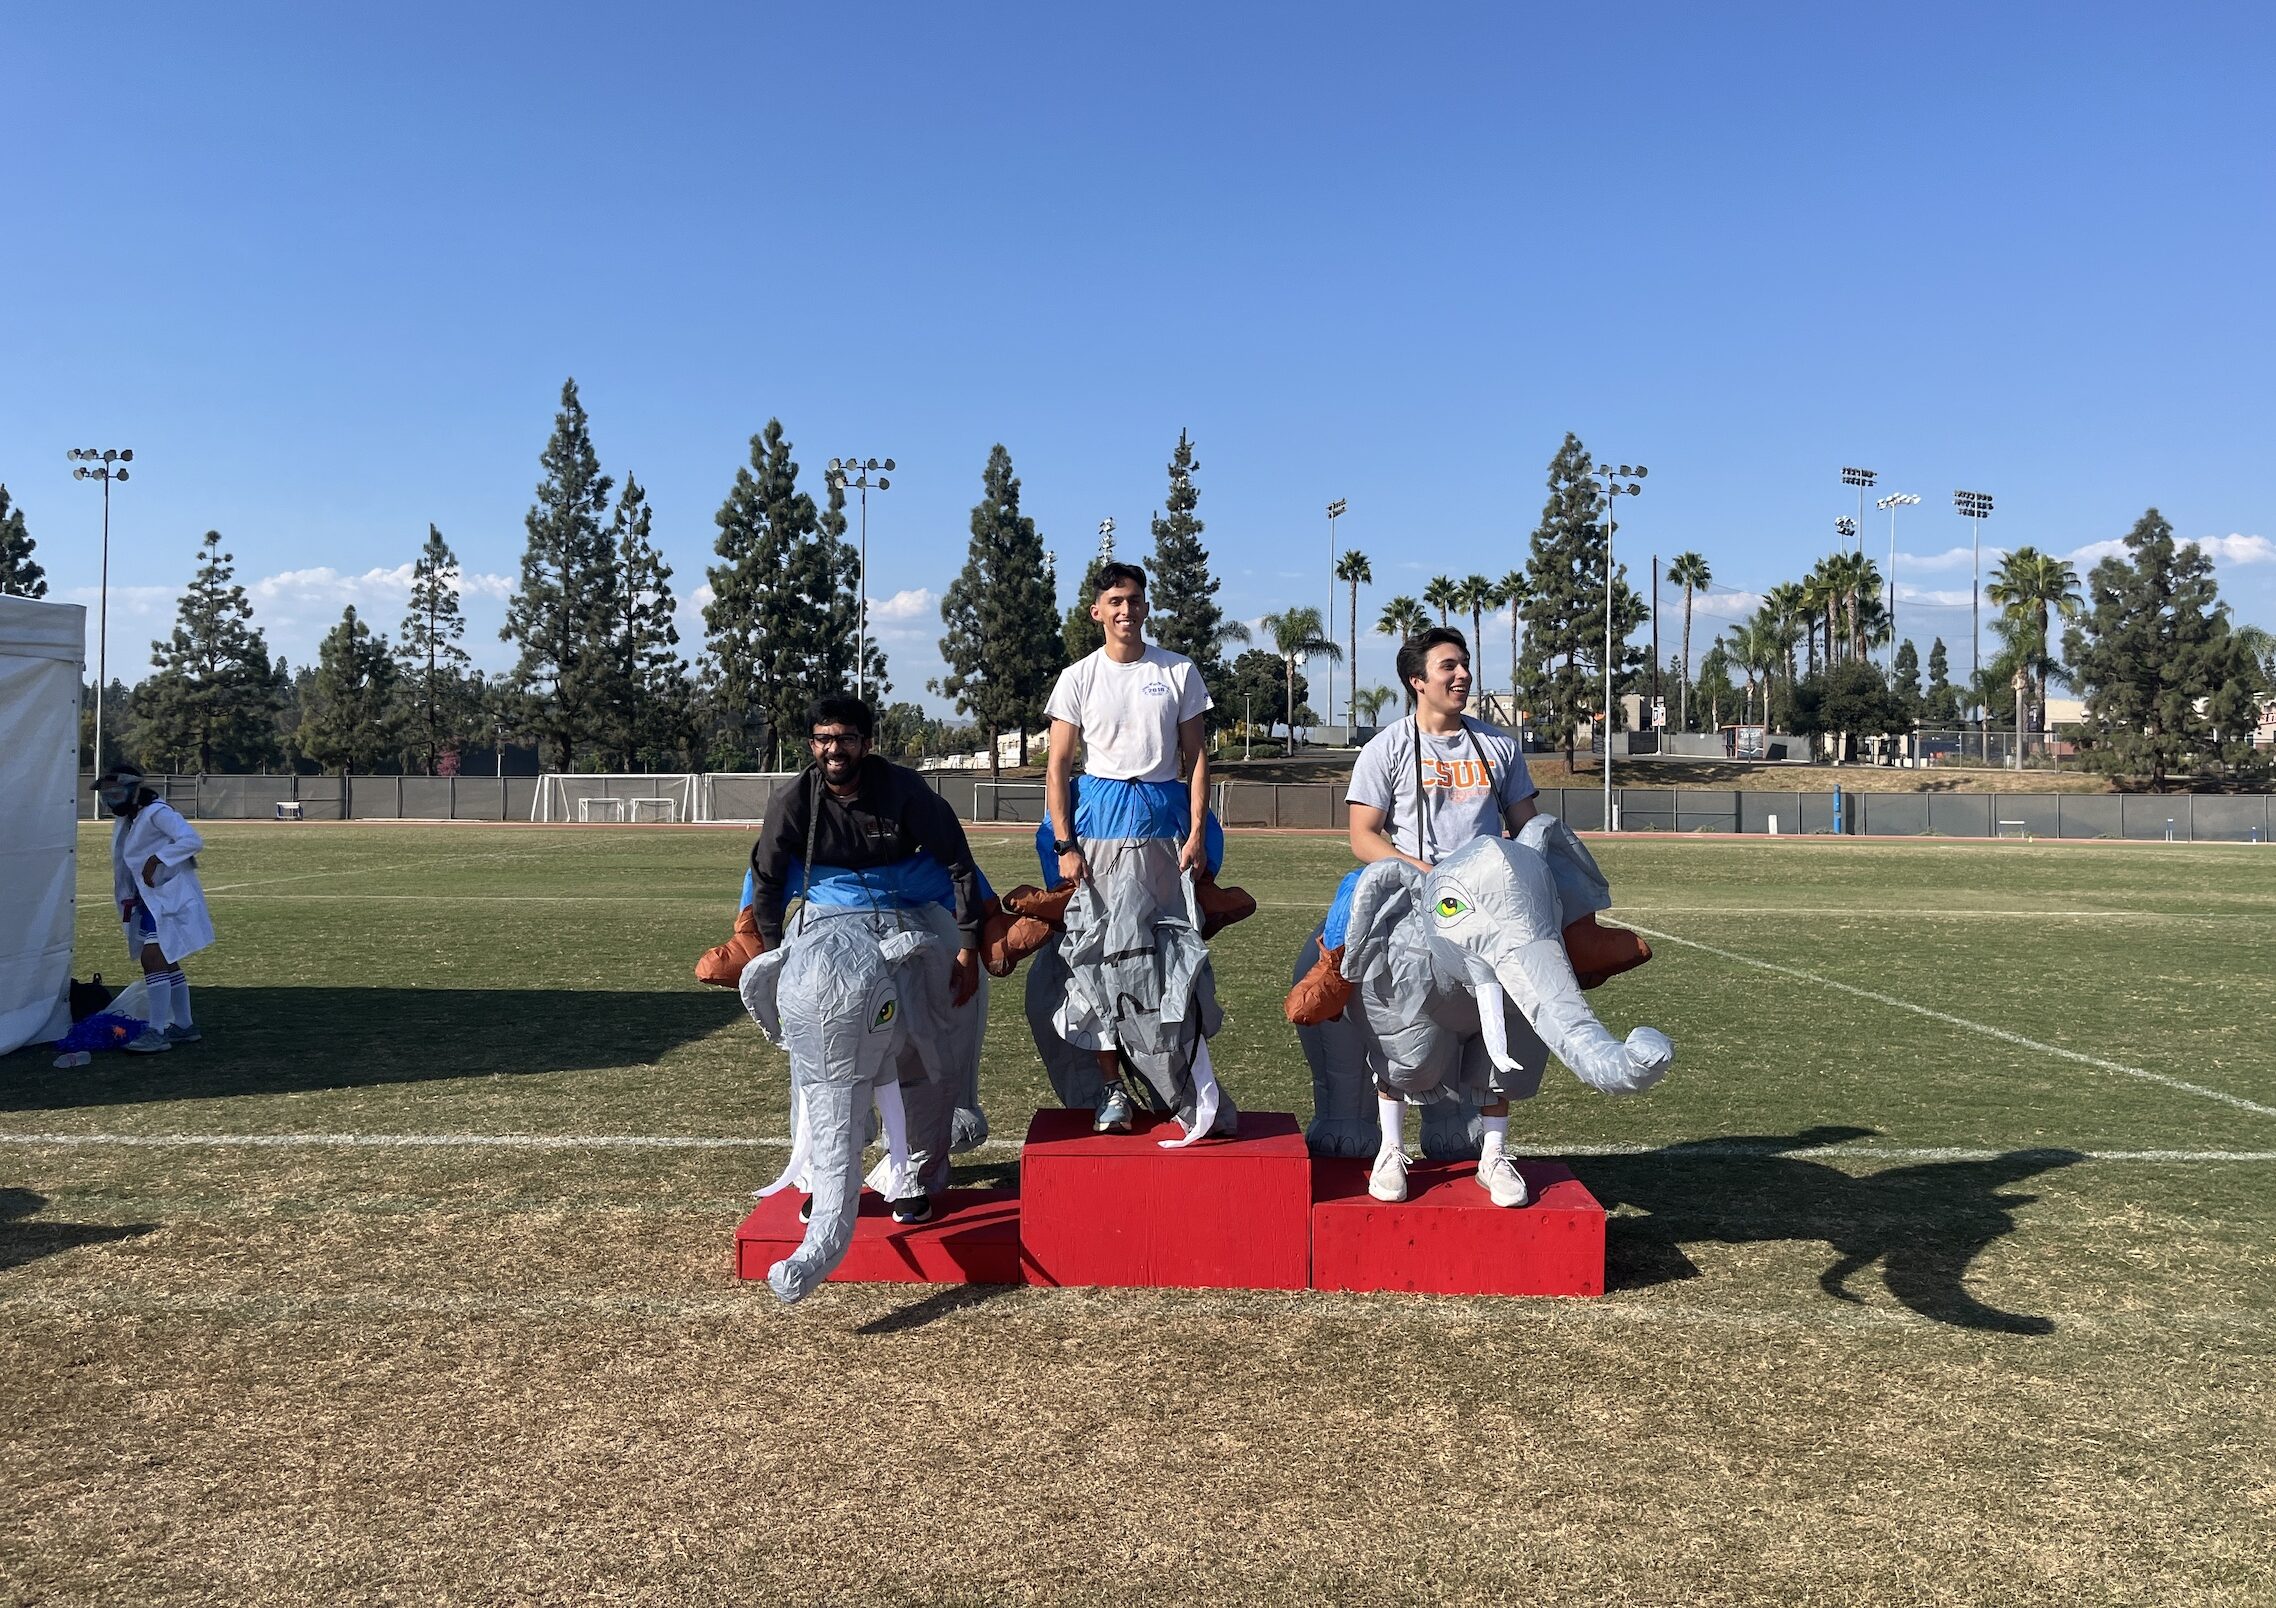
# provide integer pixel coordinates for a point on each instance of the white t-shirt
(1466, 797)
(1129, 713)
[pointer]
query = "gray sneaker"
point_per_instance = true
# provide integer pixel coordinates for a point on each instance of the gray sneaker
(150, 1041)
(1115, 1113)
(179, 1034)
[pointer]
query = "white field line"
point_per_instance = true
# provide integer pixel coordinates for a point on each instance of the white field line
(1622, 912)
(1949, 1020)
(1674, 1150)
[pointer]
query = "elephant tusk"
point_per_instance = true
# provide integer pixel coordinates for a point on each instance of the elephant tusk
(1493, 1023)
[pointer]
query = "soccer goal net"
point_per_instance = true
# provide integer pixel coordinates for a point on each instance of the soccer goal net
(662, 797)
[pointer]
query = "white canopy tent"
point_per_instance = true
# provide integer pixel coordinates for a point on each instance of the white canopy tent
(43, 652)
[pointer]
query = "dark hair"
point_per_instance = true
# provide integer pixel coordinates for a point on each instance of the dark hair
(839, 710)
(1111, 576)
(1414, 654)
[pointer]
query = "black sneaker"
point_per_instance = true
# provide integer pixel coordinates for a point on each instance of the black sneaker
(916, 1209)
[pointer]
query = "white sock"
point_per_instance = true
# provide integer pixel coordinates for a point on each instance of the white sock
(1391, 1116)
(1497, 1134)
(161, 987)
(181, 998)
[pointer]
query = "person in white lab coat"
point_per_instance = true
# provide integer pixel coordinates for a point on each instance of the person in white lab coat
(154, 876)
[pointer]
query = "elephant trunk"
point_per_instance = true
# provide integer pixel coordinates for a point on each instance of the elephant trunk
(1540, 977)
(835, 1117)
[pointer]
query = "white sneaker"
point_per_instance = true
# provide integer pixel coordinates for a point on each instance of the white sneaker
(1389, 1179)
(150, 1041)
(1501, 1179)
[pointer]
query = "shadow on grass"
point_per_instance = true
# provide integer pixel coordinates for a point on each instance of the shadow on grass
(23, 1239)
(289, 1040)
(940, 1304)
(1924, 1224)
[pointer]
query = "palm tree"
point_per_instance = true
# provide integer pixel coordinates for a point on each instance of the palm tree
(1818, 592)
(2028, 586)
(1367, 703)
(2259, 645)
(1789, 620)
(1513, 592)
(1689, 571)
(1295, 633)
(1475, 595)
(1402, 618)
(1444, 592)
(1352, 567)
(1754, 647)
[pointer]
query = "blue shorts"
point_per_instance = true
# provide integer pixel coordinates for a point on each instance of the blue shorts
(1106, 808)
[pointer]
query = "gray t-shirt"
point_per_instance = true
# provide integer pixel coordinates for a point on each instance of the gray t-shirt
(1466, 797)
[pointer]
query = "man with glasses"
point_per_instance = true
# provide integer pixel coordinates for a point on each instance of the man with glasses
(852, 832)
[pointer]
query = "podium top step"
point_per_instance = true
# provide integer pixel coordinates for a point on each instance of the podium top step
(1263, 1134)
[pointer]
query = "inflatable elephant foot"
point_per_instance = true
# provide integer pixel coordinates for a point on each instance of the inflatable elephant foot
(968, 1130)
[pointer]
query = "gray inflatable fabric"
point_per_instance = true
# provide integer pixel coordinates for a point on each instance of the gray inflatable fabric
(1462, 988)
(1137, 980)
(858, 999)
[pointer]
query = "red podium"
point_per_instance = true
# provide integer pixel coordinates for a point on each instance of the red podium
(1447, 1238)
(1118, 1209)
(972, 1239)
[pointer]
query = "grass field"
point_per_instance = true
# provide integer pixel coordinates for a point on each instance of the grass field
(1943, 1268)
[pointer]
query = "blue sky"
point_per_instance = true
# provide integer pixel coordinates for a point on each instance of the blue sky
(325, 270)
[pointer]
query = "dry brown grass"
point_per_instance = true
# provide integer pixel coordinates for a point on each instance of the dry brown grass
(384, 1377)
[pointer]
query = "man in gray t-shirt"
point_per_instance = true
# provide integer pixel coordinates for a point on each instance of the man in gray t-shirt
(1467, 780)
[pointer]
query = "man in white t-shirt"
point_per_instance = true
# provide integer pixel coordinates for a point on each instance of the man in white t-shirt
(1134, 835)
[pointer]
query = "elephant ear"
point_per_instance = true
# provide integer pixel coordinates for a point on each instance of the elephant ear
(1387, 894)
(1581, 888)
(759, 985)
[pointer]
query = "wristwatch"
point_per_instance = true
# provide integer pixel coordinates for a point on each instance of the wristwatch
(1066, 846)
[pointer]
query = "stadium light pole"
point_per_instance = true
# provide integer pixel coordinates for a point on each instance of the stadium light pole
(1335, 512)
(1612, 491)
(1105, 541)
(1862, 479)
(856, 472)
(106, 464)
(1975, 507)
(1894, 501)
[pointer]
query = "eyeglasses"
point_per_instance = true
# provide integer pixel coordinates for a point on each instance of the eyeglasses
(837, 739)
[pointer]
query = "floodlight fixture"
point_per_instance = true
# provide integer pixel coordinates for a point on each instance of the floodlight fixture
(854, 474)
(1975, 507)
(1632, 473)
(1335, 512)
(105, 464)
(1892, 502)
(1859, 477)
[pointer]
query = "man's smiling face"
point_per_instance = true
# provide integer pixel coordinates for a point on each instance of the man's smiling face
(840, 749)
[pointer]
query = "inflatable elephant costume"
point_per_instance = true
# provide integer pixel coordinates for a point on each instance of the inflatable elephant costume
(860, 1002)
(1132, 974)
(1464, 987)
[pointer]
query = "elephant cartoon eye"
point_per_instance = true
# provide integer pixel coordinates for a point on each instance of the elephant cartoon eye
(884, 1016)
(1451, 906)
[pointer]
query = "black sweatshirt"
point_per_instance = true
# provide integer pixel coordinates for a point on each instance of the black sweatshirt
(892, 815)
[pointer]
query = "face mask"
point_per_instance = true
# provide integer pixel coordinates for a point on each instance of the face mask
(116, 797)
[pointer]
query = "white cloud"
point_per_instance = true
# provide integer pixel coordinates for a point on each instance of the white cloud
(2230, 549)
(127, 602)
(1950, 558)
(294, 594)
(911, 603)
(1930, 600)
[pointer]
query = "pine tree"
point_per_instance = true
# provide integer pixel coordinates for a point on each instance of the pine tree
(2167, 686)
(1181, 594)
(648, 686)
(1904, 678)
(768, 623)
(214, 698)
(1003, 646)
(561, 613)
(1940, 704)
(1564, 618)
(18, 574)
(350, 721)
(433, 667)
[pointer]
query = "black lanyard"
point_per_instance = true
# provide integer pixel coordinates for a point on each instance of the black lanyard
(1425, 839)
